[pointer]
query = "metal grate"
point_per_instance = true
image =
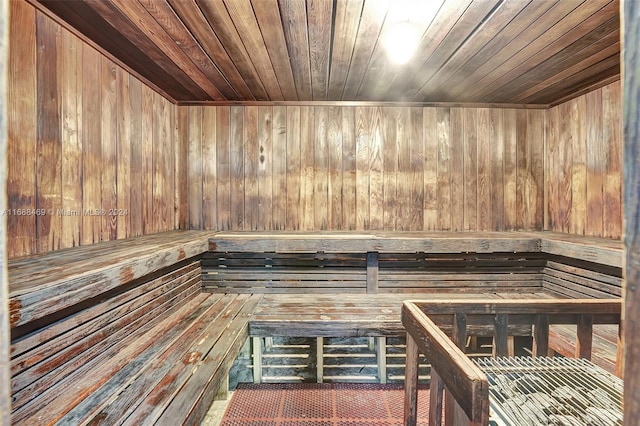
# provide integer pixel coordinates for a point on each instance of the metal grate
(551, 391)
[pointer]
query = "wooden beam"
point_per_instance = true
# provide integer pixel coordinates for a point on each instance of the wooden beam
(257, 359)
(500, 339)
(382, 359)
(5, 371)
(319, 359)
(631, 117)
(584, 341)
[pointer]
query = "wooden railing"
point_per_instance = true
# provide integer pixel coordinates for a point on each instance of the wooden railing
(467, 388)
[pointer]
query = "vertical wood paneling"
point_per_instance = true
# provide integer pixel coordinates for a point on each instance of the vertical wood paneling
(5, 333)
(109, 197)
(123, 170)
(21, 126)
(349, 219)
(376, 167)
(390, 166)
(307, 121)
(48, 151)
(536, 129)
(584, 164)
(334, 157)
(612, 135)
(265, 168)
(250, 143)
(320, 166)
(472, 178)
(280, 155)
(195, 159)
(88, 143)
(595, 163)
(456, 168)
(510, 170)
(223, 168)
(430, 166)
(485, 151)
(443, 189)
(137, 160)
(293, 203)
(363, 137)
(497, 160)
(209, 161)
(403, 173)
(236, 167)
(416, 177)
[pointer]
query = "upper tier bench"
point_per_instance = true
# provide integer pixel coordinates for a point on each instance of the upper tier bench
(121, 332)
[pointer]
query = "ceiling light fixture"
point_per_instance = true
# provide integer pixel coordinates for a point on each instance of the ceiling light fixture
(401, 42)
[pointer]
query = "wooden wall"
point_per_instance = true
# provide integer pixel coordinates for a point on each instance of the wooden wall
(358, 168)
(584, 172)
(5, 334)
(85, 137)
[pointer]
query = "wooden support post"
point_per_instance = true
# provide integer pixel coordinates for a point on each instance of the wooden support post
(245, 352)
(223, 391)
(257, 360)
(372, 344)
(500, 335)
(319, 359)
(268, 344)
(584, 340)
(411, 383)
(620, 352)
(511, 346)
(541, 336)
(5, 332)
(459, 335)
(372, 272)
(382, 359)
(436, 390)
(449, 408)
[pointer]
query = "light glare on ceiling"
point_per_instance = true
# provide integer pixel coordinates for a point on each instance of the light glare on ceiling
(401, 42)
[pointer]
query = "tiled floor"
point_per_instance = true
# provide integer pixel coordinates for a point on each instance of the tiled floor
(338, 404)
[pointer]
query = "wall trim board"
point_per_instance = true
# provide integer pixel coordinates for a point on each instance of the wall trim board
(365, 104)
(43, 8)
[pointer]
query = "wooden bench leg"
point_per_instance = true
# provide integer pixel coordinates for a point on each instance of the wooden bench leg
(436, 391)
(319, 359)
(382, 359)
(257, 360)
(268, 344)
(223, 392)
(411, 383)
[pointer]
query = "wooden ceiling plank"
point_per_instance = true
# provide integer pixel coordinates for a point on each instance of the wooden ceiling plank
(164, 14)
(294, 22)
(320, 21)
(141, 18)
(582, 79)
(591, 14)
(219, 20)
(373, 15)
(483, 63)
(493, 48)
(583, 48)
(241, 13)
(484, 33)
(347, 21)
(150, 65)
(574, 67)
(195, 22)
(445, 20)
(268, 16)
(381, 70)
(549, 58)
(473, 16)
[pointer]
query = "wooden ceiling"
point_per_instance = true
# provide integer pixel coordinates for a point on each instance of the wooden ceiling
(478, 51)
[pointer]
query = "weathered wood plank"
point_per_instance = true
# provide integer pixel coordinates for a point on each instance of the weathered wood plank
(21, 128)
(631, 120)
(209, 168)
(250, 167)
(294, 177)
(266, 161)
(195, 176)
(223, 167)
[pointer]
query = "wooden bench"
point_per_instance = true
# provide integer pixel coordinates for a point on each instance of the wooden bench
(121, 332)
(398, 265)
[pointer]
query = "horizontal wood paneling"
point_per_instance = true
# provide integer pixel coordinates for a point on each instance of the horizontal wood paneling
(84, 136)
(346, 168)
(584, 169)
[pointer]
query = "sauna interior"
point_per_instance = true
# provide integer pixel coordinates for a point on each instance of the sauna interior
(196, 188)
